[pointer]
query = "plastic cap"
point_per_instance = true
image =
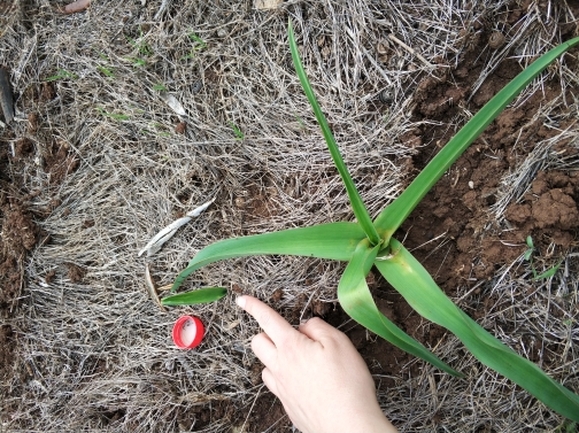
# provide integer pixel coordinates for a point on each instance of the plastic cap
(188, 332)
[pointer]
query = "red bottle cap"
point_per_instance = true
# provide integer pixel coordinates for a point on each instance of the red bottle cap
(188, 332)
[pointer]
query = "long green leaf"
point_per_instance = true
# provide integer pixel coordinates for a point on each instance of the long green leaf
(356, 300)
(414, 283)
(199, 296)
(396, 213)
(357, 204)
(335, 241)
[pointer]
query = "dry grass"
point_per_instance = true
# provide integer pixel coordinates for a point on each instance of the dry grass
(94, 353)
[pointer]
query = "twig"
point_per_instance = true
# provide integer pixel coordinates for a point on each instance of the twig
(410, 50)
(162, 8)
(151, 288)
(167, 233)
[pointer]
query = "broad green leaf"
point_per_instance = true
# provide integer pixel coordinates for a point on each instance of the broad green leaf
(396, 213)
(356, 300)
(335, 241)
(358, 207)
(414, 283)
(199, 296)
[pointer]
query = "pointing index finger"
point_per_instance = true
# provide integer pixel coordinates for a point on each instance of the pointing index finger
(275, 326)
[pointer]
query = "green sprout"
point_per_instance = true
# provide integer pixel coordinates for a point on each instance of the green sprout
(143, 49)
(62, 74)
(106, 71)
(528, 256)
(116, 116)
(201, 44)
(198, 45)
(160, 87)
(370, 243)
(239, 135)
(138, 62)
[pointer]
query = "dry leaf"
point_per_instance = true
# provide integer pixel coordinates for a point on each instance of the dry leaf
(267, 4)
(175, 105)
(167, 233)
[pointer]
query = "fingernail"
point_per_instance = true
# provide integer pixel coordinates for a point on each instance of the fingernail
(240, 301)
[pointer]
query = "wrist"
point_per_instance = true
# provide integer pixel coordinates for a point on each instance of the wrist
(367, 421)
(378, 424)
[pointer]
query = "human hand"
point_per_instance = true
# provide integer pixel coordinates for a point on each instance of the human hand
(317, 373)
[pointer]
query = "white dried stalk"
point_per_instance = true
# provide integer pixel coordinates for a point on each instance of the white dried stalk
(167, 233)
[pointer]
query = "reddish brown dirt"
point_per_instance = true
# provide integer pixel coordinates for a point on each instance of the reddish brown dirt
(19, 231)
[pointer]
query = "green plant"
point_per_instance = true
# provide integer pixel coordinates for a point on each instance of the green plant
(198, 45)
(115, 116)
(106, 71)
(369, 243)
(160, 87)
(62, 74)
(239, 135)
(143, 49)
(528, 256)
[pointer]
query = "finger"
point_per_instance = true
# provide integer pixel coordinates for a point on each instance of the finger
(275, 326)
(319, 330)
(269, 381)
(264, 349)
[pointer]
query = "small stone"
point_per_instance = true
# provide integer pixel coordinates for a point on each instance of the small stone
(386, 96)
(382, 48)
(496, 40)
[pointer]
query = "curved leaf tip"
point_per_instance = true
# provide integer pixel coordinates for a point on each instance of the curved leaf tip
(199, 296)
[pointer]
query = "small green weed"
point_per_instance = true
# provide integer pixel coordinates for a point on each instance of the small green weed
(62, 74)
(528, 256)
(198, 46)
(160, 87)
(143, 49)
(115, 116)
(106, 71)
(239, 135)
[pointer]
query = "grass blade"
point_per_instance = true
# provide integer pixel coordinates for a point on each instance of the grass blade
(358, 206)
(414, 283)
(356, 300)
(199, 296)
(396, 213)
(335, 241)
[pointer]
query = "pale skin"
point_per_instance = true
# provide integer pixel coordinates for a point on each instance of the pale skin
(317, 374)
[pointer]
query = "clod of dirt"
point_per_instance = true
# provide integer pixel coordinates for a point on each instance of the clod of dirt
(75, 272)
(23, 147)
(19, 232)
(549, 208)
(181, 127)
(555, 208)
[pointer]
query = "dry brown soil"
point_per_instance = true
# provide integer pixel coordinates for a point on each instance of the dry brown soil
(18, 221)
